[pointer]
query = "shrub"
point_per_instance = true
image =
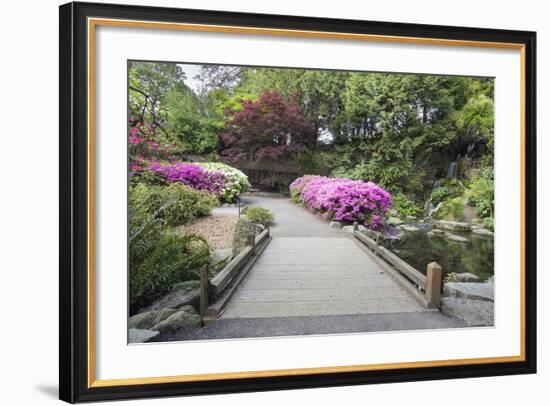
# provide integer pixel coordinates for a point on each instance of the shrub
(158, 259)
(235, 181)
(345, 199)
(439, 194)
(298, 185)
(452, 209)
(174, 204)
(404, 206)
(482, 193)
(144, 144)
(489, 222)
(259, 215)
(191, 175)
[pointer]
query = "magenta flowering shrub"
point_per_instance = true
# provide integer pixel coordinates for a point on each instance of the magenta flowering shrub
(298, 185)
(343, 199)
(144, 146)
(191, 175)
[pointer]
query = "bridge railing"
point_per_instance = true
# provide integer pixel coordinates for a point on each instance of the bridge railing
(430, 284)
(215, 293)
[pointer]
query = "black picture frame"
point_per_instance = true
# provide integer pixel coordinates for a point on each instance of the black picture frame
(74, 385)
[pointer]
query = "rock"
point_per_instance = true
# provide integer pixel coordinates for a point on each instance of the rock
(179, 297)
(136, 335)
(475, 313)
(335, 224)
(146, 320)
(142, 320)
(456, 238)
(245, 232)
(187, 285)
(186, 316)
(410, 218)
(469, 290)
(435, 233)
(462, 277)
(483, 232)
(349, 229)
(219, 259)
(395, 221)
(410, 228)
(453, 225)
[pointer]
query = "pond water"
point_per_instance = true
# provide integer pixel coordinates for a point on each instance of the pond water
(419, 248)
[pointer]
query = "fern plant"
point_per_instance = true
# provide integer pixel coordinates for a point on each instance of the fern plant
(159, 258)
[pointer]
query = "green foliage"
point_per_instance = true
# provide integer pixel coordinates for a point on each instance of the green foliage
(404, 206)
(312, 162)
(158, 258)
(476, 120)
(189, 121)
(381, 127)
(452, 209)
(439, 194)
(159, 98)
(489, 222)
(259, 215)
(482, 193)
(174, 204)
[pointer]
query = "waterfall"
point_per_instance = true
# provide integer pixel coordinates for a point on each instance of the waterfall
(452, 170)
(430, 209)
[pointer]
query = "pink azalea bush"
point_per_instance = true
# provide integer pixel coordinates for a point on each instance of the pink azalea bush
(298, 185)
(191, 175)
(343, 199)
(144, 144)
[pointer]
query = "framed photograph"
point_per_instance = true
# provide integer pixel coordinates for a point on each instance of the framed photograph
(256, 202)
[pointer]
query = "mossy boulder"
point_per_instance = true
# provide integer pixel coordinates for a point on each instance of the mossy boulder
(148, 319)
(245, 233)
(186, 316)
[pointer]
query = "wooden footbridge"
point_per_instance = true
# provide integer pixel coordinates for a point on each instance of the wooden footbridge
(303, 267)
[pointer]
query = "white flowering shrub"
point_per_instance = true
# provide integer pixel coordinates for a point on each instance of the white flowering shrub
(235, 181)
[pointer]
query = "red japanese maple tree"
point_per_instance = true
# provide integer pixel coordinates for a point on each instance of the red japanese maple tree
(269, 127)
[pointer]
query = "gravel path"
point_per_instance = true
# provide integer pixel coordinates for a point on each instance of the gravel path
(216, 229)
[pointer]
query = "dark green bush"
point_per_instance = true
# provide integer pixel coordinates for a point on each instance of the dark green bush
(175, 204)
(259, 215)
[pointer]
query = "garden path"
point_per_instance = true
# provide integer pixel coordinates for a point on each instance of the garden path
(311, 269)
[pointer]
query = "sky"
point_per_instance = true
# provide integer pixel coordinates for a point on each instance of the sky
(190, 72)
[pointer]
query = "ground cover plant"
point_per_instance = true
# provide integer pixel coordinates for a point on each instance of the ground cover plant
(260, 215)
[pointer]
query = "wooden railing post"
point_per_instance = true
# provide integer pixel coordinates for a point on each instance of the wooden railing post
(203, 290)
(251, 238)
(379, 242)
(433, 284)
